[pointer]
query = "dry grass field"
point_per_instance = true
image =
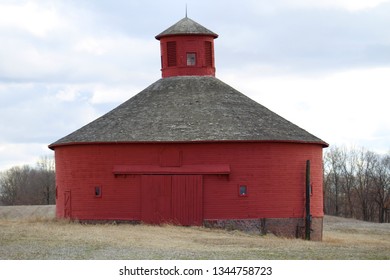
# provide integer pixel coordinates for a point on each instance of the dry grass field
(31, 232)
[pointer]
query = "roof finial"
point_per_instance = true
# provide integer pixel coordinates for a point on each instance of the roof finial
(186, 10)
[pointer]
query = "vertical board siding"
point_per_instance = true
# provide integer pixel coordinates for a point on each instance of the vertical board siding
(156, 199)
(274, 174)
(173, 199)
(187, 200)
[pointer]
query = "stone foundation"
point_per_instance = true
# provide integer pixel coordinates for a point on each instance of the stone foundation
(284, 227)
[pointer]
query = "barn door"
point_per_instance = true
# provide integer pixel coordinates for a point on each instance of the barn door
(172, 199)
(67, 205)
(156, 199)
(187, 200)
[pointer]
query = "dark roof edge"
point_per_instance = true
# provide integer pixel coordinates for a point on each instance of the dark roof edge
(322, 143)
(158, 37)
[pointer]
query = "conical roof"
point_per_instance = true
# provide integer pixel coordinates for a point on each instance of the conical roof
(186, 26)
(187, 109)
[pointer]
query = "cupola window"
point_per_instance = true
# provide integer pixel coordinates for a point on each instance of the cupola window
(208, 54)
(191, 59)
(171, 50)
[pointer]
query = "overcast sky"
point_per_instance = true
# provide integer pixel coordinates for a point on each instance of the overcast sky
(322, 64)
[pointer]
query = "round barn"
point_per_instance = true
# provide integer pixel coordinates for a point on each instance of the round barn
(191, 150)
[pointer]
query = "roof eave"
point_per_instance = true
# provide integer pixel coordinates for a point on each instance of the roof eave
(55, 145)
(159, 36)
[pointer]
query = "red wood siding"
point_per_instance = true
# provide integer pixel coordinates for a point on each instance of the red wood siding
(203, 169)
(156, 199)
(187, 200)
(274, 174)
(67, 205)
(171, 54)
(176, 199)
(174, 63)
(208, 46)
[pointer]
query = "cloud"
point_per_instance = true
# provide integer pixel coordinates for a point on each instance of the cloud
(321, 64)
(342, 107)
(79, 60)
(58, 41)
(13, 154)
(307, 40)
(36, 19)
(348, 5)
(114, 58)
(114, 94)
(38, 113)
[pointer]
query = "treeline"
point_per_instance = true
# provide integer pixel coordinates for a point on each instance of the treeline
(357, 184)
(26, 185)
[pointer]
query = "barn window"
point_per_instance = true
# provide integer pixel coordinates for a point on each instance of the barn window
(242, 190)
(191, 59)
(98, 191)
(171, 50)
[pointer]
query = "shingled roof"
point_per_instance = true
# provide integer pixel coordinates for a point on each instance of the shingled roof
(186, 26)
(189, 108)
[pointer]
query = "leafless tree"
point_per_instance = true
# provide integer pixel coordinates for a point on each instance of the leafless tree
(357, 184)
(333, 167)
(27, 186)
(381, 184)
(349, 181)
(46, 179)
(14, 185)
(365, 164)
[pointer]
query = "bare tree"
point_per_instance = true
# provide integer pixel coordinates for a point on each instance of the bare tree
(366, 162)
(349, 181)
(26, 185)
(333, 168)
(13, 184)
(46, 179)
(381, 183)
(357, 184)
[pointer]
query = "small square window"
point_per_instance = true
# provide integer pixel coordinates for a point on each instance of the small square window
(242, 190)
(98, 191)
(191, 59)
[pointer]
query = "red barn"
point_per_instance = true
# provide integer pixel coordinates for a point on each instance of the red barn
(191, 150)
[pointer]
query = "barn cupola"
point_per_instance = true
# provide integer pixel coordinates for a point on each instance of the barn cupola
(187, 49)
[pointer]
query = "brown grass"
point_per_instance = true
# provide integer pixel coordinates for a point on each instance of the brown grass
(27, 236)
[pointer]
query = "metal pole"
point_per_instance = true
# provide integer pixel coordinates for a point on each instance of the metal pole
(308, 215)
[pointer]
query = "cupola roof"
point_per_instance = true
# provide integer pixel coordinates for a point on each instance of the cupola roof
(186, 26)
